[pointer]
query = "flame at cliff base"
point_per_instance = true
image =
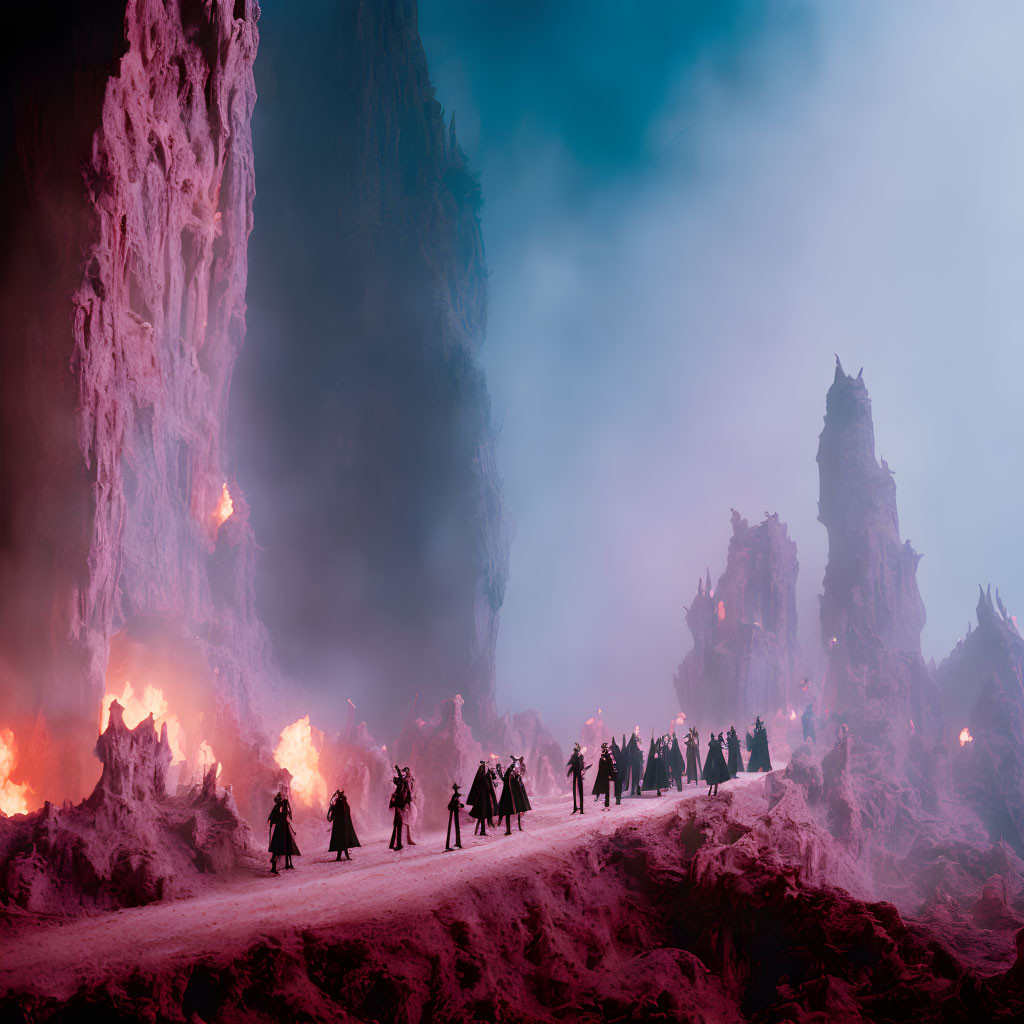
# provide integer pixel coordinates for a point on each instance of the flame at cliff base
(965, 736)
(13, 796)
(225, 507)
(139, 706)
(297, 753)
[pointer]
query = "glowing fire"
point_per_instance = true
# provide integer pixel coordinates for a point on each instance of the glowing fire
(13, 797)
(792, 715)
(680, 718)
(599, 711)
(589, 721)
(295, 751)
(137, 707)
(493, 757)
(721, 611)
(207, 757)
(225, 506)
(965, 736)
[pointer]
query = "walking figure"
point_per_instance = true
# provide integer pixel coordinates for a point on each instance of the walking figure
(343, 835)
(399, 801)
(453, 815)
(282, 835)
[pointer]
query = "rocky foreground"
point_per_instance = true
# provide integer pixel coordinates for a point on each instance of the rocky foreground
(688, 908)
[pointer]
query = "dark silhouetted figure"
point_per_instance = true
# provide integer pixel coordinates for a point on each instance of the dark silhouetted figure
(513, 794)
(619, 768)
(692, 756)
(636, 765)
(453, 816)
(343, 835)
(735, 762)
(411, 813)
(809, 722)
(483, 804)
(282, 835)
(760, 761)
(400, 800)
(656, 771)
(606, 775)
(715, 768)
(675, 763)
(575, 769)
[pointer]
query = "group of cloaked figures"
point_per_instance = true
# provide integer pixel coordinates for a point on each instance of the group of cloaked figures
(484, 805)
(624, 769)
(620, 769)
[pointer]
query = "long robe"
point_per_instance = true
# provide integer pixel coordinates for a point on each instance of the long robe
(735, 763)
(636, 768)
(282, 838)
(619, 768)
(715, 769)
(760, 760)
(675, 762)
(482, 803)
(607, 773)
(513, 793)
(656, 771)
(692, 759)
(343, 835)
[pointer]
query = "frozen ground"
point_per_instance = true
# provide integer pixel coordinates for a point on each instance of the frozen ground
(225, 917)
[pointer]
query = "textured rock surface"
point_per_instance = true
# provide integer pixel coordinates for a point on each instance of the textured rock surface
(982, 689)
(746, 657)
(386, 550)
(128, 182)
(130, 842)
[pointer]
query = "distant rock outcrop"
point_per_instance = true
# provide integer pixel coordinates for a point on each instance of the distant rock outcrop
(982, 683)
(130, 842)
(746, 657)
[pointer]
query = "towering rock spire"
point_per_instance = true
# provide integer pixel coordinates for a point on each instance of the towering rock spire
(871, 610)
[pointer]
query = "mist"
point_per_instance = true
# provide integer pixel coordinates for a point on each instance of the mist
(686, 215)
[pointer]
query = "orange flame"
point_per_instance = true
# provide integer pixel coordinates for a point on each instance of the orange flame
(965, 736)
(680, 718)
(792, 715)
(225, 507)
(13, 796)
(493, 757)
(599, 711)
(296, 753)
(138, 707)
(721, 611)
(207, 757)
(589, 721)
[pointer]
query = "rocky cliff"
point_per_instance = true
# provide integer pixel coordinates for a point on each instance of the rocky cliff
(387, 544)
(127, 176)
(746, 657)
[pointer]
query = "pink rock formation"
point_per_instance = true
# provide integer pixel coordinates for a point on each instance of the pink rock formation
(130, 842)
(746, 657)
(129, 185)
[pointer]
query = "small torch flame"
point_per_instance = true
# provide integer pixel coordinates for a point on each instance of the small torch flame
(965, 736)
(680, 718)
(225, 507)
(792, 715)
(589, 721)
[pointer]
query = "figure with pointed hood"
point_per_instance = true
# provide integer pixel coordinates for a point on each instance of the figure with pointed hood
(575, 769)
(735, 762)
(454, 806)
(483, 804)
(625, 767)
(715, 768)
(617, 759)
(656, 770)
(692, 756)
(676, 763)
(282, 835)
(513, 798)
(400, 800)
(607, 773)
(636, 763)
(809, 722)
(760, 760)
(343, 835)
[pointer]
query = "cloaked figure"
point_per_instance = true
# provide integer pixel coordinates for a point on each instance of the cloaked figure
(400, 800)
(412, 810)
(760, 761)
(483, 804)
(809, 722)
(676, 763)
(575, 769)
(715, 768)
(735, 762)
(282, 835)
(619, 766)
(692, 755)
(656, 771)
(607, 773)
(513, 794)
(343, 835)
(636, 765)
(454, 806)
